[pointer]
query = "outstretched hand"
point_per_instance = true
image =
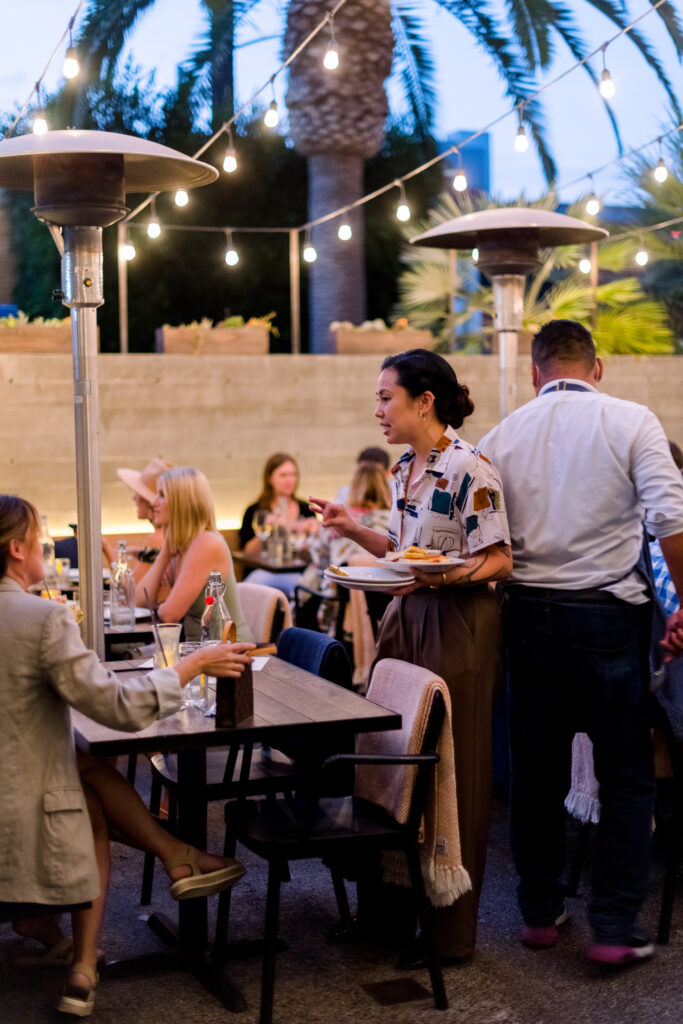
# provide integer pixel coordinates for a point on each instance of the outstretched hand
(334, 516)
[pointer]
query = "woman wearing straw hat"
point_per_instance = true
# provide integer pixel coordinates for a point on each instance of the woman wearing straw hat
(143, 484)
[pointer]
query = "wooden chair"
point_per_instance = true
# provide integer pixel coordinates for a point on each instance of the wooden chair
(333, 829)
(266, 609)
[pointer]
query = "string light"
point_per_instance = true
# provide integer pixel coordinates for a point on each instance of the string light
(606, 86)
(641, 257)
(460, 178)
(475, 255)
(331, 58)
(71, 67)
(232, 257)
(402, 210)
(521, 140)
(230, 158)
(181, 197)
(271, 118)
(592, 203)
(661, 171)
(344, 232)
(128, 249)
(153, 227)
(39, 117)
(310, 255)
(585, 265)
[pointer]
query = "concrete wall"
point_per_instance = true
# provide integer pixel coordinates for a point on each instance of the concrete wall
(225, 415)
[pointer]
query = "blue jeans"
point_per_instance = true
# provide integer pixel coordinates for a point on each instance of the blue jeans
(284, 581)
(580, 667)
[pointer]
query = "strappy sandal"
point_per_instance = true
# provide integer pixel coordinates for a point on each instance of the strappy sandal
(59, 955)
(198, 883)
(76, 1000)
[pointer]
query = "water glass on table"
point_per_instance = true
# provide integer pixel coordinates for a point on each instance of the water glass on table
(262, 526)
(196, 688)
(167, 644)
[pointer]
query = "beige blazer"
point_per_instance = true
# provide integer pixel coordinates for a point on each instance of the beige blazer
(46, 845)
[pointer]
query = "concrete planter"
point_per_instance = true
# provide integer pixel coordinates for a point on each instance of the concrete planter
(380, 342)
(245, 341)
(36, 338)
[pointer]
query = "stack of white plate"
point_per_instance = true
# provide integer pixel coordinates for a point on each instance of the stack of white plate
(370, 577)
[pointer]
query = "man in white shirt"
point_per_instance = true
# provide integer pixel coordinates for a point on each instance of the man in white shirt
(582, 471)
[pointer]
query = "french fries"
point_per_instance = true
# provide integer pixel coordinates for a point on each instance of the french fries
(416, 554)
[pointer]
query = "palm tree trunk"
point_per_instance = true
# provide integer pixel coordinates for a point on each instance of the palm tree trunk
(337, 278)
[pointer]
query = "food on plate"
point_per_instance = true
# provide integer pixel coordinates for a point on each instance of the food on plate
(416, 554)
(336, 571)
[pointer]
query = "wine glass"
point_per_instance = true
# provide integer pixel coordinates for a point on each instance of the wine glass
(262, 526)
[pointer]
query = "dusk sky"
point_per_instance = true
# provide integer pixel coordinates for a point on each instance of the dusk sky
(471, 95)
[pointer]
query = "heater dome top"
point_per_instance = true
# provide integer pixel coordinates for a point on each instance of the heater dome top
(148, 166)
(506, 224)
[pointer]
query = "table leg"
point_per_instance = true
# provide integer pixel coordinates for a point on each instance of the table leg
(192, 810)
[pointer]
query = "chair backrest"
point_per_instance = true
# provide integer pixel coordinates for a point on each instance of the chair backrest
(317, 653)
(266, 610)
(411, 691)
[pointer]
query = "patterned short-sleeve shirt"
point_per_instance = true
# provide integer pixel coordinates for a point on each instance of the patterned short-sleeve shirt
(455, 505)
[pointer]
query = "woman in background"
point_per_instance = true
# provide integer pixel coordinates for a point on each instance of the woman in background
(277, 499)
(192, 548)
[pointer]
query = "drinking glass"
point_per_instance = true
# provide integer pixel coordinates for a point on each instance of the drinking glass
(262, 526)
(196, 688)
(167, 644)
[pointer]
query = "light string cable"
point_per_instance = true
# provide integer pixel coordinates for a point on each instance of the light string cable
(518, 107)
(225, 127)
(643, 229)
(36, 87)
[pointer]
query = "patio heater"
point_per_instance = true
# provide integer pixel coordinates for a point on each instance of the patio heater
(79, 180)
(509, 241)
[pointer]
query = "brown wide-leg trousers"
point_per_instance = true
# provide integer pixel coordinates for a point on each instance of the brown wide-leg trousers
(456, 632)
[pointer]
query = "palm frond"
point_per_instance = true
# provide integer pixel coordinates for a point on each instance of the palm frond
(414, 64)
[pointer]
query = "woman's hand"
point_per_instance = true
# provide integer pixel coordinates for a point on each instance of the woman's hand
(336, 517)
(215, 660)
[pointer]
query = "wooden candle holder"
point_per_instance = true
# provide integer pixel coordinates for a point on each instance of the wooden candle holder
(234, 699)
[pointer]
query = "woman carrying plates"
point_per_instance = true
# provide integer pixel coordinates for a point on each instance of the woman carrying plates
(445, 496)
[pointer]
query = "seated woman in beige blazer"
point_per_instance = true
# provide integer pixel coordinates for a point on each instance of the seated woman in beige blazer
(54, 849)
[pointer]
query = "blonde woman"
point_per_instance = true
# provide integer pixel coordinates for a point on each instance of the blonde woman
(192, 548)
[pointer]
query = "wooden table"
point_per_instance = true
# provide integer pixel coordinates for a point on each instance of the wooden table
(288, 702)
(260, 561)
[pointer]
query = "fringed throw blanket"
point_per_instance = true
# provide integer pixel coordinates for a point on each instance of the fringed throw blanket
(410, 691)
(583, 799)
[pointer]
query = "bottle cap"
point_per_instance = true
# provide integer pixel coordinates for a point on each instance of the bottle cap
(209, 599)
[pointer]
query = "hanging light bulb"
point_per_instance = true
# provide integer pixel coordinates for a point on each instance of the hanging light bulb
(642, 257)
(271, 118)
(585, 265)
(230, 158)
(475, 255)
(331, 58)
(39, 117)
(402, 210)
(232, 257)
(344, 232)
(606, 86)
(521, 140)
(661, 171)
(39, 121)
(181, 197)
(592, 203)
(128, 249)
(153, 226)
(310, 255)
(71, 67)
(460, 178)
